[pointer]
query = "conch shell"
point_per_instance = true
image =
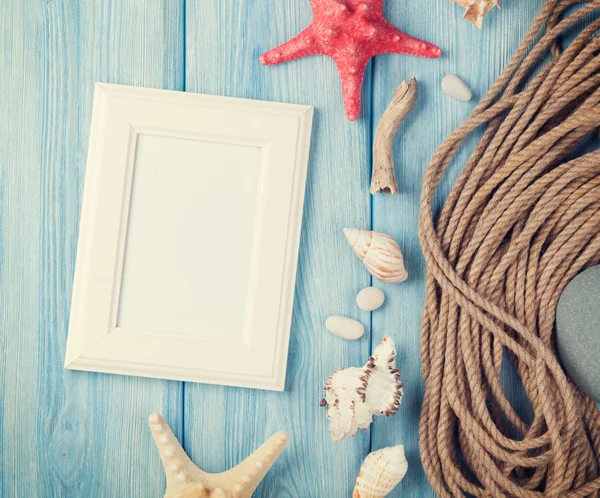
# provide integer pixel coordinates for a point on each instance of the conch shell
(379, 253)
(477, 9)
(354, 395)
(381, 472)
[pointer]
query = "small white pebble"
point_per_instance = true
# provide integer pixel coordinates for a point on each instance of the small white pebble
(370, 299)
(346, 328)
(456, 88)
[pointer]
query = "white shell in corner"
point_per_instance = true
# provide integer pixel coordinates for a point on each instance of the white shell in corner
(477, 9)
(381, 472)
(379, 253)
(346, 328)
(456, 88)
(370, 299)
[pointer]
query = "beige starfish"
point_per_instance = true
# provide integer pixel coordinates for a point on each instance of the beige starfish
(185, 480)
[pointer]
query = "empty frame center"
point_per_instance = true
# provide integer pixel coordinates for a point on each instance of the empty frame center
(190, 234)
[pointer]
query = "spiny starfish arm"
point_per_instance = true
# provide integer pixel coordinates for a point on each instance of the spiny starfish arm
(394, 41)
(303, 44)
(251, 471)
(172, 455)
(351, 32)
(186, 480)
(351, 76)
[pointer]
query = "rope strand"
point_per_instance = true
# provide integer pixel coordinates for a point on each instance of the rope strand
(522, 220)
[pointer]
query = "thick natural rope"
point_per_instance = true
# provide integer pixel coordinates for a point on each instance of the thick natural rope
(522, 220)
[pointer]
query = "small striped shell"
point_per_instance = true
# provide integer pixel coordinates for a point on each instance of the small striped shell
(381, 472)
(477, 9)
(379, 253)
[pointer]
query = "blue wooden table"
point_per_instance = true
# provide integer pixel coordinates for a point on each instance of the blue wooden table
(77, 434)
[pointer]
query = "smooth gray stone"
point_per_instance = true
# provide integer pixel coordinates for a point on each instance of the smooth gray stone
(578, 331)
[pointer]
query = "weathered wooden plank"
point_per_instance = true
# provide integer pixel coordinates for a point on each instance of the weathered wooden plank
(222, 425)
(19, 230)
(68, 433)
(478, 57)
(78, 434)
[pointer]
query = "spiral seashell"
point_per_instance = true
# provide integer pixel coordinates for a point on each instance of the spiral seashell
(477, 9)
(379, 253)
(381, 472)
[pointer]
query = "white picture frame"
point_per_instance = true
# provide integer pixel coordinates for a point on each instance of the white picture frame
(189, 237)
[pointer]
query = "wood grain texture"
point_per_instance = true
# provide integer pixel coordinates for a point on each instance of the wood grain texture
(65, 433)
(73, 434)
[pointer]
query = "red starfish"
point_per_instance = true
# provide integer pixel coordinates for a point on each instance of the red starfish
(350, 32)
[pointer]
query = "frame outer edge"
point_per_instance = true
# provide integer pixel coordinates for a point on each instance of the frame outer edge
(305, 121)
(75, 338)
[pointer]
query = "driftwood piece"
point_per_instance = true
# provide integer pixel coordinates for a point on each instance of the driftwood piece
(383, 178)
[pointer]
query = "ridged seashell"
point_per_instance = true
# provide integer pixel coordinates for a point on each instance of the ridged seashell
(477, 9)
(379, 253)
(354, 395)
(381, 472)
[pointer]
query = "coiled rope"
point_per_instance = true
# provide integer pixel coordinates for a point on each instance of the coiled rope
(522, 220)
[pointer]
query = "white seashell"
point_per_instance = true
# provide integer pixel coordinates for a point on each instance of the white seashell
(370, 299)
(477, 9)
(381, 472)
(354, 395)
(379, 253)
(456, 88)
(346, 328)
